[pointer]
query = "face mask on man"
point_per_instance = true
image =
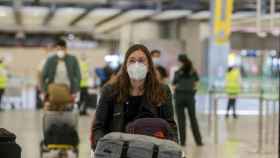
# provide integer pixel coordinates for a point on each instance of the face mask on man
(156, 61)
(114, 65)
(137, 71)
(60, 54)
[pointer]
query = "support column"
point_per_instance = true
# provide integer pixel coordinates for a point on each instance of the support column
(218, 62)
(219, 44)
(194, 34)
(138, 32)
(144, 31)
(125, 37)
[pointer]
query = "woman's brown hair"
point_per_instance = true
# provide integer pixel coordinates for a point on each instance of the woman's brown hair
(153, 91)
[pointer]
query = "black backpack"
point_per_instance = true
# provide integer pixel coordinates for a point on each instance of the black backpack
(6, 136)
(8, 147)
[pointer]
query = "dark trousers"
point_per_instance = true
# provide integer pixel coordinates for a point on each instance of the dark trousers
(39, 101)
(182, 101)
(83, 100)
(231, 104)
(1, 96)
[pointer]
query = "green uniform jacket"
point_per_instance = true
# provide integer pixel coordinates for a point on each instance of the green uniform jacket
(3, 77)
(85, 74)
(72, 67)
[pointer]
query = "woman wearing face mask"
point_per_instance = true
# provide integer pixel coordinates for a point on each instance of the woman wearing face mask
(185, 85)
(134, 93)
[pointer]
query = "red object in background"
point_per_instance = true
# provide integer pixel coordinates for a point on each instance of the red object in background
(155, 127)
(159, 135)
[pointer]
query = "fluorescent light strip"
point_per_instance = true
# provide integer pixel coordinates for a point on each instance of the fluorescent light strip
(7, 16)
(202, 15)
(171, 14)
(252, 19)
(243, 15)
(34, 16)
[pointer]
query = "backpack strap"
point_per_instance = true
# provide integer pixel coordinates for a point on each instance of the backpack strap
(124, 149)
(155, 151)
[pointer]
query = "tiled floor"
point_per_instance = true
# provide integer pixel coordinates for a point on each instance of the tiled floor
(237, 138)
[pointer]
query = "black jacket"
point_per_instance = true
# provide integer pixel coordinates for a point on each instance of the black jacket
(185, 82)
(110, 114)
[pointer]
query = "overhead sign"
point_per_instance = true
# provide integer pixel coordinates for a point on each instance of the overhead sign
(222, 20)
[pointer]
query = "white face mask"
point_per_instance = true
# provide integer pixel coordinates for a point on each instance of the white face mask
(137, 71)
(156, 61)
(60, 54)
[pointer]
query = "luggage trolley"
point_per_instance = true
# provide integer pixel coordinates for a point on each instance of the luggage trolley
(61, 149)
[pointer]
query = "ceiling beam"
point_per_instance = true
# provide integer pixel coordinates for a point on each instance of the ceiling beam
(18, 17)
(50, 15)
(17, 14)
(110, 18)
(80, 17)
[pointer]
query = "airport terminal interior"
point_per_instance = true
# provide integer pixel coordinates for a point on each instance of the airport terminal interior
(231, 49)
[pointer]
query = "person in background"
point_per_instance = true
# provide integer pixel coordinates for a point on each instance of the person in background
(160, 70)
(84, 86)
(134, 93)
(233, 85)
(108, 72)
(3, 80)
(185, 86)
(62, 68)
(48, 52)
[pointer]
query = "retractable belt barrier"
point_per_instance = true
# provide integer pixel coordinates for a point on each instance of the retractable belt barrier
(264, 120)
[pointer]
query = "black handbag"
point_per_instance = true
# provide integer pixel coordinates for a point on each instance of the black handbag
(8, 147)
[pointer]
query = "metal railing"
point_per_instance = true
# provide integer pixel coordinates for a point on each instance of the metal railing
(265, 101)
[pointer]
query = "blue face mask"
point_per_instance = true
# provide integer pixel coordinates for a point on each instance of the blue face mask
(97, 82)
(114, 65)
(156, 61)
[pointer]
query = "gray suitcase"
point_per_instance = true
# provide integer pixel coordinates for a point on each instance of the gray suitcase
(120, 145)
